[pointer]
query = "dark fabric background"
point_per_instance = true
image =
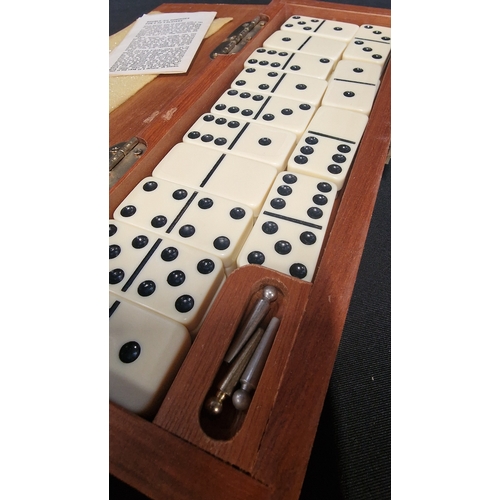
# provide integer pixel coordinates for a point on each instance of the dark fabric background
(351, 456)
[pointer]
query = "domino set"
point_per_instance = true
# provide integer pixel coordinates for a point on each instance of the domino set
(173, 243)
(253, 184)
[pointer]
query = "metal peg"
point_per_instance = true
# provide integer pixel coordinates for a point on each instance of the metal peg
(228, 383)
(270, 294)
(253, 371)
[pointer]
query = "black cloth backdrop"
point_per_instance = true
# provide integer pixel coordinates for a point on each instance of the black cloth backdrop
(351, 455)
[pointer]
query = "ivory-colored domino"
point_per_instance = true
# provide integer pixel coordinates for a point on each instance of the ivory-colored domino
(292, 62)
(342, 94)
(335, 30)
(272, 82)
(163, 275)
(353, 85)
(146, 350)
(193, 217)
(234, 177)
(327, 148)
(370, 32)
(242, 138)
(289, 232)
(274, 111)
(358, 71)
(370, 44)
(307, 44)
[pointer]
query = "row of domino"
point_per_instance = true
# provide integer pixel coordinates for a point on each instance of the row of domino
(253, 181)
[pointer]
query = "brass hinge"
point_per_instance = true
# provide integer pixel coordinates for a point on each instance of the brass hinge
(122, 156)
(240, 37)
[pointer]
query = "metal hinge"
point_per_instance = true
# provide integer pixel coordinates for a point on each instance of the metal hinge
(122, 156)
(240, 37)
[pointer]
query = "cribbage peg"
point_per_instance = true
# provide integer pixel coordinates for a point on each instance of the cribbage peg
(228, 383)
(270, 294)
(253, 371)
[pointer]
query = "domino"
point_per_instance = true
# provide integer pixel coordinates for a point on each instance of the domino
(146, 350)
(353, 85)
(369, 32)
(335, 30)
(210, 223)
(275, 111)
(260, 80)
(233, 177)
(327, 148)
(291, 227)
(356, 71)
(292, 62)
(307, 44)
(242, 138)
(370, 44)
(167, 277)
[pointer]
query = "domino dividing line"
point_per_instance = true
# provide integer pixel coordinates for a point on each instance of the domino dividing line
(182, 212)
(321, 134)
(292, 219)
(139, 268)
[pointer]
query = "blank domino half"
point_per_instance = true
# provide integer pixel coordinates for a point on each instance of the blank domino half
(236, 178)
(307, 44)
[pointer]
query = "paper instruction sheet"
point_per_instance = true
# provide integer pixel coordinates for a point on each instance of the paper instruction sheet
(160, 44)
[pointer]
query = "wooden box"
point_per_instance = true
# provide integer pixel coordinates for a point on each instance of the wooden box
(263, 454)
